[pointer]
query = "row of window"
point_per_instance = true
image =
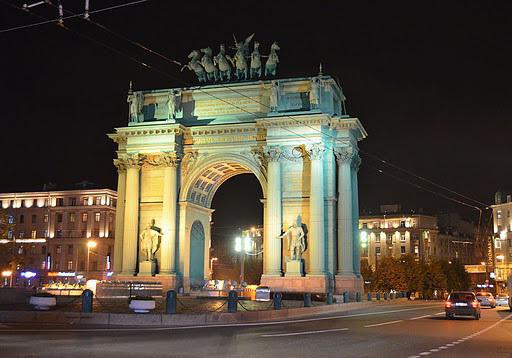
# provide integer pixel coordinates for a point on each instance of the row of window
(85, 201)
(60, 218)
(60, 234)
(388, 225)
(59, 249)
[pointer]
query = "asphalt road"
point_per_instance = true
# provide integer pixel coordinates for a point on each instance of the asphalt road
(401, 330)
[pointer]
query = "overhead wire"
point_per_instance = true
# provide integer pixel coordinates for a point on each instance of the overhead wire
(145, 65)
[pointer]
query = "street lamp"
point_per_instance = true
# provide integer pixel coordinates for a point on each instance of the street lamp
(242, 248)
(90, 245)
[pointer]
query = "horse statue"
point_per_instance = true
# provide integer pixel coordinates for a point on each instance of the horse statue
(256, 61)
(195, 66)
(273, 60)
(240, 59)
(224, 67)
(212, 73)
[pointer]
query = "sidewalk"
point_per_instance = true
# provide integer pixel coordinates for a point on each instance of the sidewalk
(184, 319)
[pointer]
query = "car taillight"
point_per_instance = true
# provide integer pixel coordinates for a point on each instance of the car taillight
(474, 304)
(448, 304)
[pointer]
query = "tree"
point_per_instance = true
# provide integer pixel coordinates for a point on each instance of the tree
(390, 275)
(368, 274)
(414, 273)
(435, 279)
(457, 277)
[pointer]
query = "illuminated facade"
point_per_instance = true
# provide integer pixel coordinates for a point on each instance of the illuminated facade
(294, 135)
(51, 230)
(502, 240)
(395, 235)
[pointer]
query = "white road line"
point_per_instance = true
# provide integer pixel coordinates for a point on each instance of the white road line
(382, 324)
(440, 313)
(462, 340)
(420, 317)
(304, 333)
(249, 324)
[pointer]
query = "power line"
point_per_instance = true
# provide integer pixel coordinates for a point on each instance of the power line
(238, 92)
(59, 19)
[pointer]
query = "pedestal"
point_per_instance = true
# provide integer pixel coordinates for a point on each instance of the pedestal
(294, 268)
(311, 284)
(147, 268)
(349, 283)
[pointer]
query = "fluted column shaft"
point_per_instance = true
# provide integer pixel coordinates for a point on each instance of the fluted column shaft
(345, 213)
(121, 194)
(316, 208)
(272, 243)
(168, 244)
(131, 216)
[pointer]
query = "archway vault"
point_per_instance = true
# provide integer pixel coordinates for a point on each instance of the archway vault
(211, 171)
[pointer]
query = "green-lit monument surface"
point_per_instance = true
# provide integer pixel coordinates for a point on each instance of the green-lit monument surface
(293, 134)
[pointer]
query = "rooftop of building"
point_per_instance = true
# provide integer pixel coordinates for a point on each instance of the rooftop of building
(84, 187)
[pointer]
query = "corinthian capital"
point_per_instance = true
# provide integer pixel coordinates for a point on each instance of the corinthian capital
(120, 164)
(133, 160)
(345, 154)
(316, 151)
(272, 153)
(166, 159)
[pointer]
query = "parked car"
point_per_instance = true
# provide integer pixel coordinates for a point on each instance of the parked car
(462, 303)
(502, 300)
(486, 299)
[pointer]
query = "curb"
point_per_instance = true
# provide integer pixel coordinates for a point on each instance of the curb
(182, 319)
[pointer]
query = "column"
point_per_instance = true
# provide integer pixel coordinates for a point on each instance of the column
(169, 162)
(273, 219)
(118, 235)
(356, 162)
(131, 215)
(316, 208)
(345, 213)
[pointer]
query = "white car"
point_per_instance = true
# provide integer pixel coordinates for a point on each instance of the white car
(501, 300)
(486, 299)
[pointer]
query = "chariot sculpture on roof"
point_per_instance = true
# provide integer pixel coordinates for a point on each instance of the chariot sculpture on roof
(243, 64)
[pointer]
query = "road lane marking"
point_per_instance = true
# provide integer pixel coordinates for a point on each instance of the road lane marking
(249, 324)
(440, 313)
(304, 333)
(464, 339)
(420, 317)
(382, 324)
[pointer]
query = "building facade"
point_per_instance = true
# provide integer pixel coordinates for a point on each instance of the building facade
(60, 234)
(420, 235)
(501, 252)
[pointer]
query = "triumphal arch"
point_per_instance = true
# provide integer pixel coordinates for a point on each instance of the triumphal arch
(182, 144)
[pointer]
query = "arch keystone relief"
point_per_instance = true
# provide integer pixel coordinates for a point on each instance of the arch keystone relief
(302, 148)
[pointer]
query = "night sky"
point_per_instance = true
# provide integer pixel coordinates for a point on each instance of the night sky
(431, 84)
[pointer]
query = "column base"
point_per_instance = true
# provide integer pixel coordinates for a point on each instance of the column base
(349, 283)
(312, 284)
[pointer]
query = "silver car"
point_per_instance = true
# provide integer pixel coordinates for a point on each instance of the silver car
(486, 299)
(501, 300)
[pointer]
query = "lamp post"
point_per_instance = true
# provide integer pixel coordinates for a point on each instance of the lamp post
(243, 246)
(90, 245)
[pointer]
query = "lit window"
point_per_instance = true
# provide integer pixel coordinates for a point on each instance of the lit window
(98, 200)
(45, 218)
(72, 217)
(20, 250)
(70, 265)
(497, 244)
(21, 234)
(34, 234)
(85, 201)
(416, 250)
(97, 217)
(58, 249)
(11, 219)
(9, 234)
(45, 233)
(85, 217)
(402, 238)
(498, 214)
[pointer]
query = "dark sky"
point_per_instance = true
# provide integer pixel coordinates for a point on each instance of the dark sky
(430, 81)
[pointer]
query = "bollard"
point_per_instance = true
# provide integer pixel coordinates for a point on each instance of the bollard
(87, 296)
(307, 300)
(232, 301)
(329, 298)
(278, 297)
(358, 296)
(386, 296)
(378, 296)
(369, 296)
(170, 303)
(345, 297)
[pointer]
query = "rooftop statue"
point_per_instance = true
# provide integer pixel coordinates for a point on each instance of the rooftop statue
(224, 67)
(273, 60)
(136, 101)
(173, 104)
(212, 73)
(195, 65)
(274, 96)
(256, 61)
(240, 59)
